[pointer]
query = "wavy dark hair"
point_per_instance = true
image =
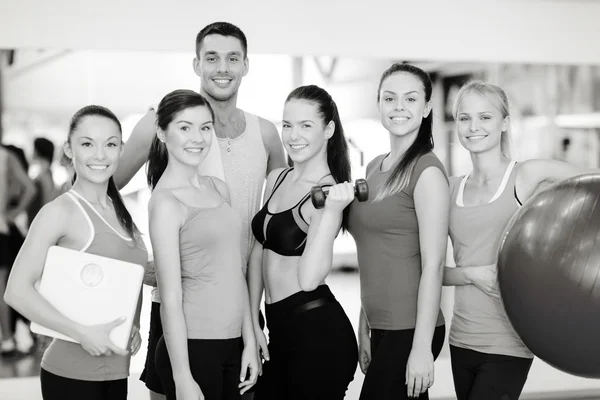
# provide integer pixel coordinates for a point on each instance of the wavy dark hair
(338, 158)
(172, 104)
(423, 144)
(123, 215)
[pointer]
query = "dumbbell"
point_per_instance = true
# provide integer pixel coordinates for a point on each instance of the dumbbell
(318, 193)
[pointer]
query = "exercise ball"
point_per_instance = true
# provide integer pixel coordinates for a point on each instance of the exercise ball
(549, 275)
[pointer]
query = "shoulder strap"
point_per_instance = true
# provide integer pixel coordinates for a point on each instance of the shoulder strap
(280, 179)
(212, 182)
(87, 218)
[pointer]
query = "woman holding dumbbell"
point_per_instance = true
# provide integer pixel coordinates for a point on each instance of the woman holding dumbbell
(312, 352)
(401, 238)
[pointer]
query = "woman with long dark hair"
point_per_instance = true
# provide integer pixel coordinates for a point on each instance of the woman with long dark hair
(90, 217)
(312, 351)
(401, 238)
(208, 349)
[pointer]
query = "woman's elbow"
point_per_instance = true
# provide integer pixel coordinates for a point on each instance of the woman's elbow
(172, 301)
(12, 297)
(435, 268)
(308, 286)
(307, 283)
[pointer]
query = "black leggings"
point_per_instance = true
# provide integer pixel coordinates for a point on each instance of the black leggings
(386, 375)
(56, 387)
(488, 376)
(312, 347)
(215, 365)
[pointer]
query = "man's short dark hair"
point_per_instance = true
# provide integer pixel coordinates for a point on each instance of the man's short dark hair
(223, 29)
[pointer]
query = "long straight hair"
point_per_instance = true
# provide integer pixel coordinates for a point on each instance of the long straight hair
(172, 104)
(338, 158)
(123, 215)
(423, 144)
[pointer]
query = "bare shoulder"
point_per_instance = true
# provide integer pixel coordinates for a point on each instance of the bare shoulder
(56, 215)
(432, 180)
(163, 203)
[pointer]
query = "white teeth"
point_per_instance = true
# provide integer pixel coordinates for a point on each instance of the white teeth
(194, 150)
(399, 119)
(98, 167)
(298, 146)
(222, 81)
(476, 137)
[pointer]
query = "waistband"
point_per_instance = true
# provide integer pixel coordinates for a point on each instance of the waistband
(299, 302)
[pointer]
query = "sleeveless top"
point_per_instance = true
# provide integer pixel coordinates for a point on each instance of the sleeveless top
(245, 165)
(69, 359)
(242, 164)
(212, 279)
(479, 322)
(283, 232)
(387, 243)
(212, 165)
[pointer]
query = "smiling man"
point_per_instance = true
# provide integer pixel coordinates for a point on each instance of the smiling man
(246, 147)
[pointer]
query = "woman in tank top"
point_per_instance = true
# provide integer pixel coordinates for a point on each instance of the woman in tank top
(208, 349)
(489, 360)
(401, 240)
(91, 217)
(312, 352)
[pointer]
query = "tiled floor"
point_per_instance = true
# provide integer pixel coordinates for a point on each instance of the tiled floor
(21, 382)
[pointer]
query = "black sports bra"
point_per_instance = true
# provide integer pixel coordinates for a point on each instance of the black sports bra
(283, 232)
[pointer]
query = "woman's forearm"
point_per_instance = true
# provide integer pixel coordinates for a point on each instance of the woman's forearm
(29, 303)
(175, 333)
(255, 282)
(457, 276)
(428, 305)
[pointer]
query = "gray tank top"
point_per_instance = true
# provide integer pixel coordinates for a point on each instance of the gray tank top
(69, 359)
(479, 322)
(211, 272)
(245, 164)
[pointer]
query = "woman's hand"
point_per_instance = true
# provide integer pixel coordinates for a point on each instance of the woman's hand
(263, 348)
(188, 389)
(364, 351)
(339, 196)
(96, 340)
(136, 341)
(250, 367)
(485, 278)
(419, 371)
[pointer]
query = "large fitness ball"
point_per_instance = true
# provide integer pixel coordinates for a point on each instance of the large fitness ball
(549, 275)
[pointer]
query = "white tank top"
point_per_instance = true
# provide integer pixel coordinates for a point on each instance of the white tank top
(480, 322)
(245, 165)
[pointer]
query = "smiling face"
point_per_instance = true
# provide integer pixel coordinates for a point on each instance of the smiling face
(304, 132)
(94, 147)
(221, 64)
(479, 123)
(188, 136)
(402, 104)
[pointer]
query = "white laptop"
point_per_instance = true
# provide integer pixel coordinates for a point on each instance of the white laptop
(90, 290)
